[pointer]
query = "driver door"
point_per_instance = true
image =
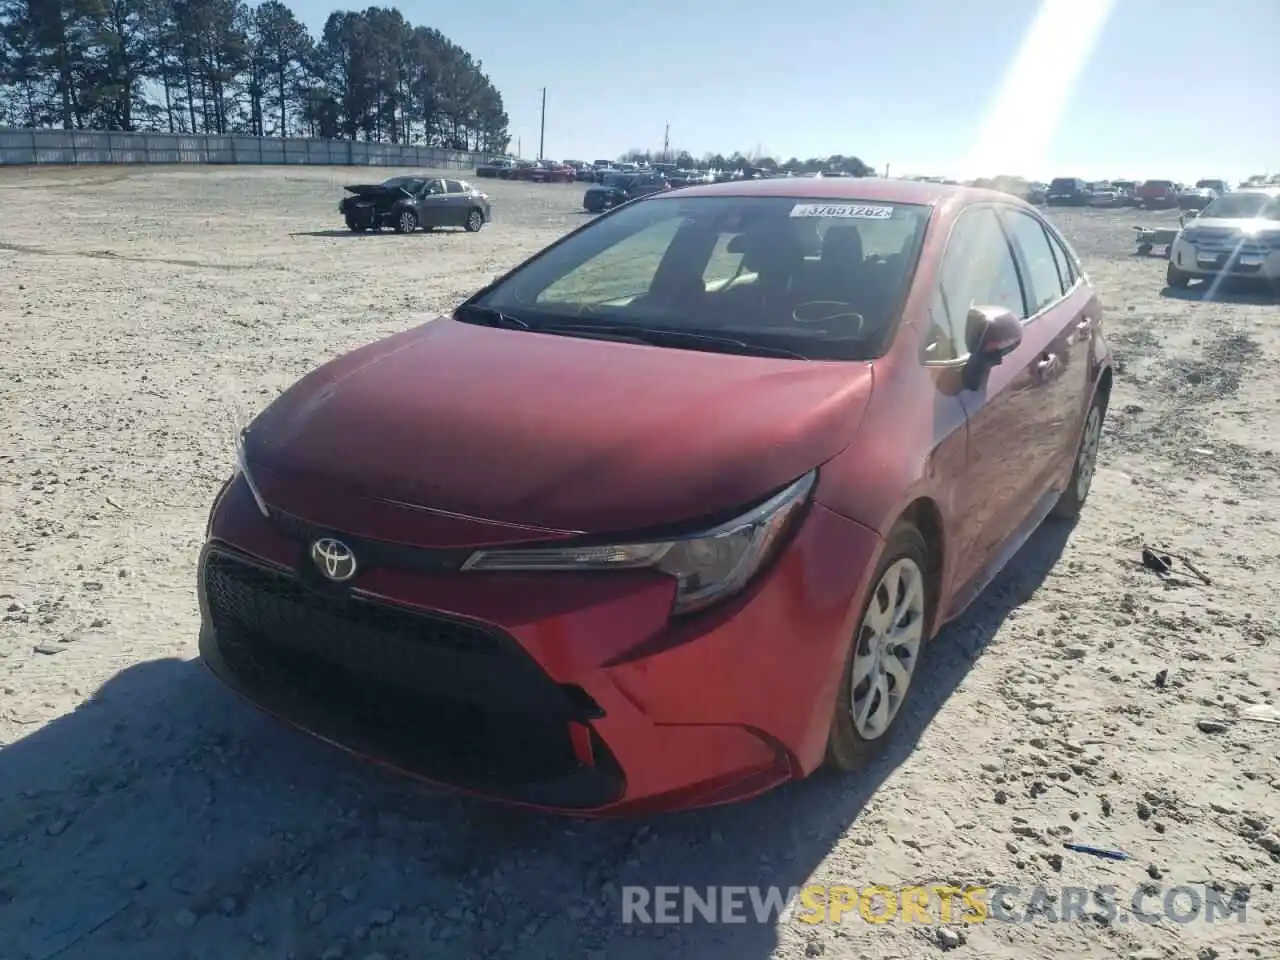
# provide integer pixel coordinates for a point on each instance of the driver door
(433, 210)
(1011, 417)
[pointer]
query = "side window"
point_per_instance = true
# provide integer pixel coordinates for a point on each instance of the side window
(1064, 259)
(1044, 280)
(435, 187)
(1068, 259)
(978, 270)
(453, 186)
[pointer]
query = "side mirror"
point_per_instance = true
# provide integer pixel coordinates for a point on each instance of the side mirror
(991, 333)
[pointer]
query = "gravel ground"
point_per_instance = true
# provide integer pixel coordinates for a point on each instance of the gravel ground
(147, 813)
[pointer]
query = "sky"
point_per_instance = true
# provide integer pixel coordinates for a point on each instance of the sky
(1098, 89)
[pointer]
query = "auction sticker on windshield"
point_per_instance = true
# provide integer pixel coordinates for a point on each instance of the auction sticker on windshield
(849, 211)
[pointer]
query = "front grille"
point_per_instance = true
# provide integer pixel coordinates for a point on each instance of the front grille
(243, 595)
(429, 654)
(448, 699)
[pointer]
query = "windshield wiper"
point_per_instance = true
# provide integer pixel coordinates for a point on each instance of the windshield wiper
(490, 317)
(662, 337)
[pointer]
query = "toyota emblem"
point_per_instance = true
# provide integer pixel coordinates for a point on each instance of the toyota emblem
(334, 559)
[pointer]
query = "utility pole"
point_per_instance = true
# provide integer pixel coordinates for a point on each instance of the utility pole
(519, 148)
(542, 131)
(666, 141)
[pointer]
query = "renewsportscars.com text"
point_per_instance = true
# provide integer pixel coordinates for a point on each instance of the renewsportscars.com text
(933, 904)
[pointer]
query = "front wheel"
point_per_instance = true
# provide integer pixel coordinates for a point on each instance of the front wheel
(886, 647)
(406, 222)
(1085, 465)
(1174, 277)
(474, 221)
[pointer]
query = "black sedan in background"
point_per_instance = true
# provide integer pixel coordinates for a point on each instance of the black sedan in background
(620, 187)
(407, 203)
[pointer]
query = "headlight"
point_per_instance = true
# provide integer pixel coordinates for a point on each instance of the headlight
(707, 566)
(242, 466)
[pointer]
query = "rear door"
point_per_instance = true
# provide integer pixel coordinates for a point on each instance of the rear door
(1011, 446)
(1066, 312)
(458, 202)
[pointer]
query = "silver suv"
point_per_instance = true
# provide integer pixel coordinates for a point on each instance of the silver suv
(1237, 235)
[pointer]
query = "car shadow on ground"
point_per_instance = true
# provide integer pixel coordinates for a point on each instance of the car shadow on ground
(164, 812)
(1226, 291)
(367, 235)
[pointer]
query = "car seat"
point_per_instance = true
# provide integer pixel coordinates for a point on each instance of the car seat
(776, 257)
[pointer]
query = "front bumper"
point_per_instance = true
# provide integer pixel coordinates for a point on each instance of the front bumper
(361, 214)
(566, 692)
(1243, 259)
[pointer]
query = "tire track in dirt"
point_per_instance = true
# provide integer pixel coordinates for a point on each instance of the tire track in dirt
(1184, 381)
(112, 255)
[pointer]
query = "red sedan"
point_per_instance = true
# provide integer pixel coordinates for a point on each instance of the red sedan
(665, 516)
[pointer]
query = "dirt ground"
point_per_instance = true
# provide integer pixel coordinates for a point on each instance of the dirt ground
(147, 813)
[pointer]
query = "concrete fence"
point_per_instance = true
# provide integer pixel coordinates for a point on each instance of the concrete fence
(27, 147)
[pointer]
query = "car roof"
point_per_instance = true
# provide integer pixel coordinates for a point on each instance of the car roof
(1267, 191)
(844, 188)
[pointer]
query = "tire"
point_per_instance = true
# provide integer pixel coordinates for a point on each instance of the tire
(851, 744)
(1084, 464)
(474, 221)
(406, 221)
(1144, 249)
(353, 226)
(1176, 278)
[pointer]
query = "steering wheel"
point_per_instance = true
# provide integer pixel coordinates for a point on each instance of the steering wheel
(814, 312)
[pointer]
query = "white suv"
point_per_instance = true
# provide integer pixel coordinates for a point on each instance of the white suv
(1237, 235)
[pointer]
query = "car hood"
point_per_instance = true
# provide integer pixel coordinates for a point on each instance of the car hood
(1235, 224)
(372, 189)
(473, 435)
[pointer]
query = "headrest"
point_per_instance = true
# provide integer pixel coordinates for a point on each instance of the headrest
(842, 244)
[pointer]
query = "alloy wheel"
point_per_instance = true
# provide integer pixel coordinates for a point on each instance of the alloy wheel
(1087, 461)
(407, 222)
(889, 641)
(475, 221)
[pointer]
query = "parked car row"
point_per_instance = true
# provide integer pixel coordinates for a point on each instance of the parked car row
(1146, 194)
(533, 171)
(619, 187)
(569, 171)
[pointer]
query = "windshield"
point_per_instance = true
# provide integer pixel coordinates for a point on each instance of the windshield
(398, 182)
(1063, 183)
(1159, 184)
(1244, 206)
(822, 279)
